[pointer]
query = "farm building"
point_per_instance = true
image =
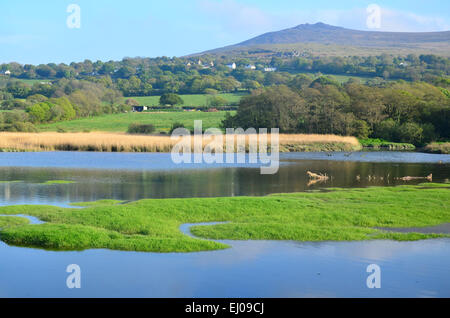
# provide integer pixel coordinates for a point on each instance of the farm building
(140, 108)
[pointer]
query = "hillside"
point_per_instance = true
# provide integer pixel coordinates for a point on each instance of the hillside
(320, 36)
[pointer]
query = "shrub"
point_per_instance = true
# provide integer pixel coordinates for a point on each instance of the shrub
(386, 130)
(216, 101)
(136, 128)
(175, 126)
(360, 129)
(411, 133)
(22, 127)
(170, 99)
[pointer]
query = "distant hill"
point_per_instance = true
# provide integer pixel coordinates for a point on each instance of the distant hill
(320, 34)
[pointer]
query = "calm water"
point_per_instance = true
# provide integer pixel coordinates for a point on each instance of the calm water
(249, 268)
(135, 176)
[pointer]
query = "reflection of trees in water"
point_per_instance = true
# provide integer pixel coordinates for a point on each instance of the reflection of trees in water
(133, 185)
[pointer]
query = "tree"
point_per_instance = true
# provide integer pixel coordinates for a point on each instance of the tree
(131, 102)
(39, 112)
(36, 98)
(170, 99)
(274, 107)
(216, 101)
(18, 89)
(411, 133)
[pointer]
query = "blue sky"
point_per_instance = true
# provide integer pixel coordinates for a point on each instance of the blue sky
(36, 31)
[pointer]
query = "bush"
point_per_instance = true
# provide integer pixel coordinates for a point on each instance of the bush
(429, 133)
(175, 126)
(21, 127)
(170, 99)
(216, 101)
(386, 130)
(360, 129)
(411, 133)
(136, 128)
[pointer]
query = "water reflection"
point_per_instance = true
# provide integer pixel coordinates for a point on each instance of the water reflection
(95, 184)
(249, 269)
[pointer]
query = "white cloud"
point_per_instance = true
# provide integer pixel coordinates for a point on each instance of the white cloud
(237, 17)
(402, 21)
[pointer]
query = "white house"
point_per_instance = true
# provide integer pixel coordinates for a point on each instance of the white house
(270, 69)
(232, 66)
(7, 72)
(250, 67)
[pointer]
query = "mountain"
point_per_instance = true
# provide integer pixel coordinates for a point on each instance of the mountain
(321, 34)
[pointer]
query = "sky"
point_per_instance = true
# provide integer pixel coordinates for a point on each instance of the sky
(34, 32)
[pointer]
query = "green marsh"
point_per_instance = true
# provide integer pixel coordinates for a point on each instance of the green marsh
(152, 225)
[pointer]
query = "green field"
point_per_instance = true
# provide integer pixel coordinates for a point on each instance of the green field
(120, 122)
(197, 100)
(152, 225)
(33, 81)
(341, 78)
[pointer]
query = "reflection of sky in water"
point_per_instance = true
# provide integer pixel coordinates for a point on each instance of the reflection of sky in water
(248, 269)
(162, 161)
(122, 177)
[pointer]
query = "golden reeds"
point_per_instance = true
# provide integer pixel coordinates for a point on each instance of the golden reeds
(121, 142)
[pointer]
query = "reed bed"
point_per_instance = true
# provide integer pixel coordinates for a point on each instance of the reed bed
(121, 142)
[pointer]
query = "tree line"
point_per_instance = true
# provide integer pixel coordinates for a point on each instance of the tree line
(415, 113)
(155, 76)
(64, 100)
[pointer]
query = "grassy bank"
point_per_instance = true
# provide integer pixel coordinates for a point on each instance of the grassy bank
(120, 122)
(121, 142)
(380, 144)
(438, 147)
(194, 100)
(153, 224)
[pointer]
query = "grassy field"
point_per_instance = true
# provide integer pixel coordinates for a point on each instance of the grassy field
(119, 122)
(341, 78)
(121, 142)
(33, 81)
(152, 225)
(377, 144)
(197, 100)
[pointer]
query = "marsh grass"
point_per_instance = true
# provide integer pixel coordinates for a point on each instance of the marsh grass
(50, 182)
(438, 147)
(121, 142)
(153, 224)
(377, 144)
